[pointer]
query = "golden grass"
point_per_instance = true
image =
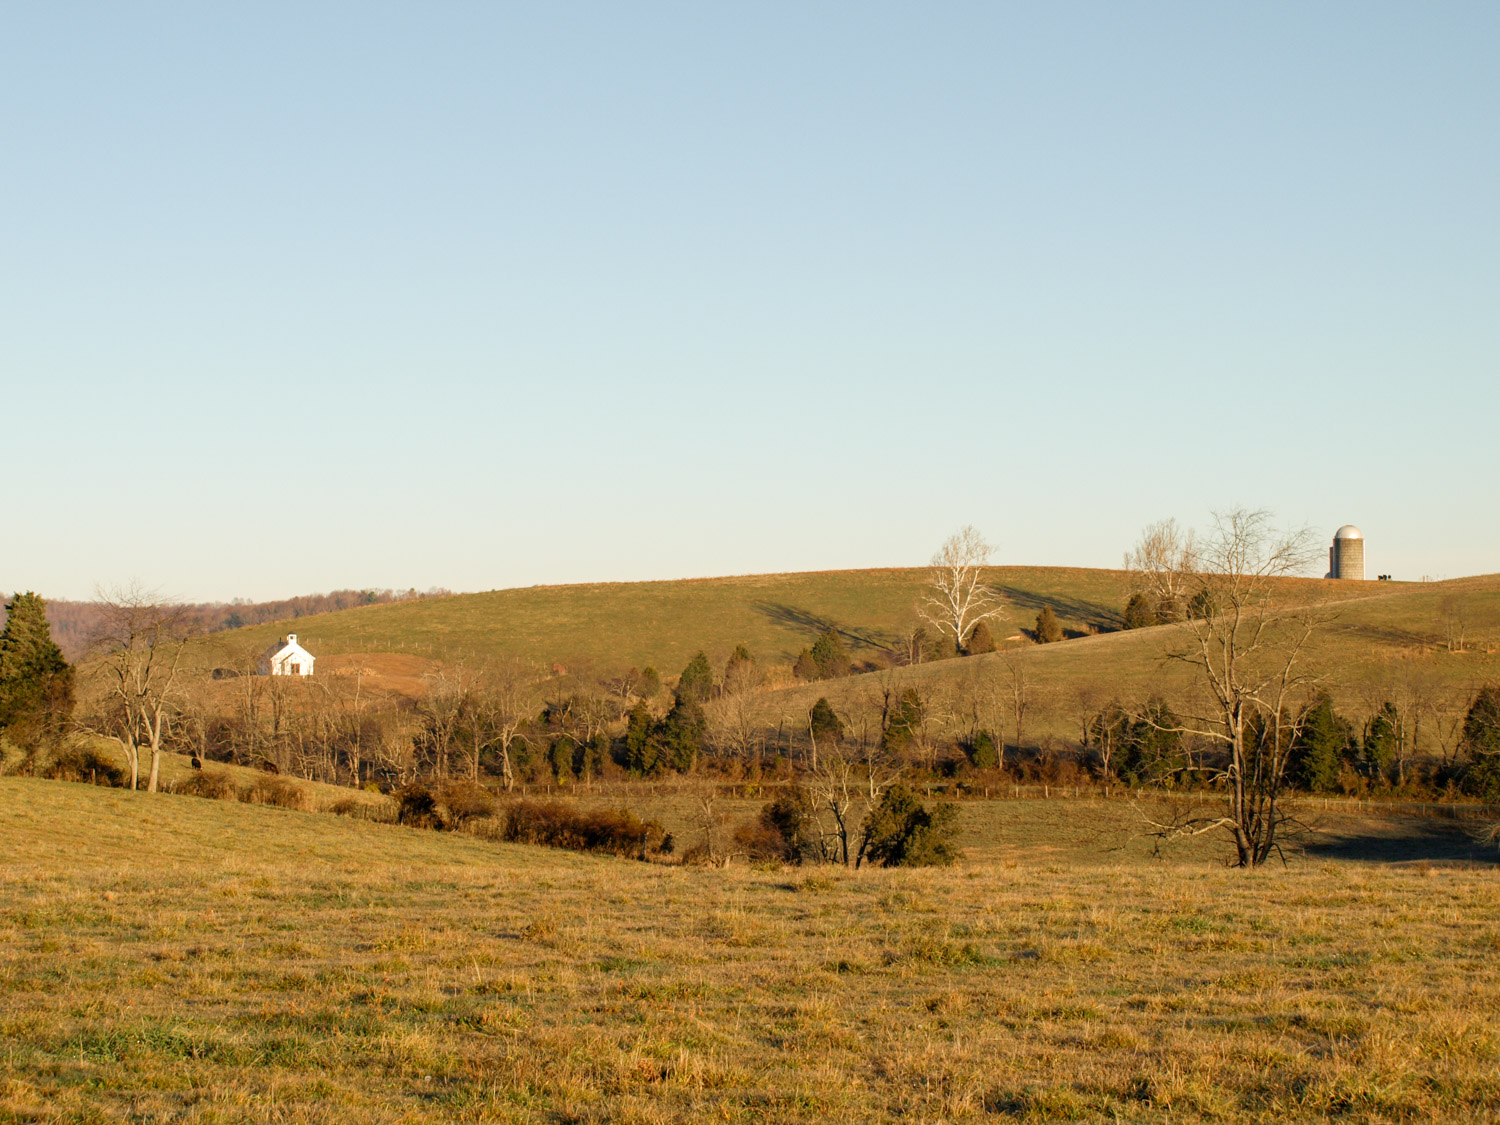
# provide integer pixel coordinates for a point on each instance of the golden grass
(610, 626)
(174, 959)
(1383, 635)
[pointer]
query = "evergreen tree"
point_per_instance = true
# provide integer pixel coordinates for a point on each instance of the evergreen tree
(1140, 611)
(1482, 742)
(984, 752)
(902, 832)
(806, 668)
(641, 751)
(793, 818)
(1382, 734)
(36, 683)
(697, 680)
(824, 724)
(980, 641)
(739, 671)
(830, 656)
(1318, 753)
(680, 735)
(904, 720)
(561, 758)
(1048, 628)
(1150, 750)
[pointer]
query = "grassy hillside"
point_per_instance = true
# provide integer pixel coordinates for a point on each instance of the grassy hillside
(174, 959)
(1384, 638)
(1381, 640)
(615, 625)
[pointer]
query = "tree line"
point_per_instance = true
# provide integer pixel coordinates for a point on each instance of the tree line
(76, 625)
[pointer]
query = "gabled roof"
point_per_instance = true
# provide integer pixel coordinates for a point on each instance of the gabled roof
(283, 646)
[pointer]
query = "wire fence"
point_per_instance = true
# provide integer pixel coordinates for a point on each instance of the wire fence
(765, 790)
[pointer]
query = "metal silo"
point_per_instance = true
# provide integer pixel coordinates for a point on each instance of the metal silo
(1346, 558)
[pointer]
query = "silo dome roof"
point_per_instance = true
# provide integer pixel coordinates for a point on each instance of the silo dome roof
(1348, 531)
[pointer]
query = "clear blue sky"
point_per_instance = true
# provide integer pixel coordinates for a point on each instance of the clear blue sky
(305, 296)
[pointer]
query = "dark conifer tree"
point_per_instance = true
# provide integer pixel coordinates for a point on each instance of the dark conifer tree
(1048, 628)
(830, 656)
(697, 680)
(826, 727)
(1318, 754)
(806, 668)
(1482, 741)
(981, 640)
(1381, 736)
(36, 683)
(680, 735)
(1140, 611)
(640, 748)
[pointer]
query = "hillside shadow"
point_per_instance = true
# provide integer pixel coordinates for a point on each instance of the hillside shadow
(1405, 841)
(1091, 613)
(1388, 633)
(815, 625)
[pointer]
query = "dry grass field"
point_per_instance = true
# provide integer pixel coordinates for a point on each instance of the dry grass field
(175, 959)
(613, 625)
(1382, 637)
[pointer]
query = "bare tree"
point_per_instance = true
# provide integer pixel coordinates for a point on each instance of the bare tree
(737, 724)
(1455, 613)
(1021, 692)
(396, 752)
(957, 597)
(1447, 709)
(1247, 643)
(441, 710)
(508, 697)
(142, 638)
(1161, 565)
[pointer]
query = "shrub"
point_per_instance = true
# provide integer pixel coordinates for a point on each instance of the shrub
(212, 784)
(902, 832)
(1048, 628)
(554, 824)
(560, 758)
(277, 791)
(1140, 611)
(984, 751)
(445, 807)
(786, 829)
(759, 842)
(82, 763)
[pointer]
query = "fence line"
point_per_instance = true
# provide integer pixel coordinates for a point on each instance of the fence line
(1013, 791)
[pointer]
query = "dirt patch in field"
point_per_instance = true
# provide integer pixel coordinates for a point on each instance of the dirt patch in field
(387, 671)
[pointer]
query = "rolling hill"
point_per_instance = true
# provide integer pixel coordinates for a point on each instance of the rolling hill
(1381, 635)
(612, 626)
